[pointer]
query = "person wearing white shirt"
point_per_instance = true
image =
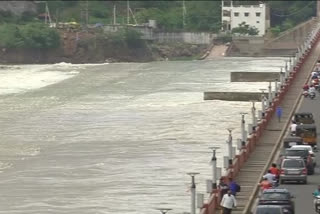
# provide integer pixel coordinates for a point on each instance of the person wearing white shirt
(293, 128)
(270, 177)
(228, 202)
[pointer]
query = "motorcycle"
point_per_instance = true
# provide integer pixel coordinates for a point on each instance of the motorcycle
(305, 93)
(317, 203)
(312, 95)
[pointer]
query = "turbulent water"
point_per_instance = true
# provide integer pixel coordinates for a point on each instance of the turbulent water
(114, 138)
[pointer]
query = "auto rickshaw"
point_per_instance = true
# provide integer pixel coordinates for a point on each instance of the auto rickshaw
(291, 141)
(303, 118)
(308, 133)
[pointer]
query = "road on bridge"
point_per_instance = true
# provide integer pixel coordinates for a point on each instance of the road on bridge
(303, 192)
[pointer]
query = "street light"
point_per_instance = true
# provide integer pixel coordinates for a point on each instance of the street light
(193, 192)
(263, 99)
(243, 131)
(214, 167)
(229, 142)
(163, 210)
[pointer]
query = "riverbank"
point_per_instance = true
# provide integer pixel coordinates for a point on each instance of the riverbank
(100, 52)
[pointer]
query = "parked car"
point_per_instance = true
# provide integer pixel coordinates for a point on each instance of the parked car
(293, 169)
(281, 197)
(301, 153)
(310, 149)
(271, 209)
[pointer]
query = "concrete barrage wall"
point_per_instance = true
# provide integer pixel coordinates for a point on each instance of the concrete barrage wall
(186, 37)
(232, 96)
(247, 45)
(148, 33)
(254, 76)
(292, 38)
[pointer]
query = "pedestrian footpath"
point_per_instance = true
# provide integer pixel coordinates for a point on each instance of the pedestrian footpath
(251, 173)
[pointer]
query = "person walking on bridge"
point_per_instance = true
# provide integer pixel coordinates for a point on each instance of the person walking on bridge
(228, 202)
(279, 113)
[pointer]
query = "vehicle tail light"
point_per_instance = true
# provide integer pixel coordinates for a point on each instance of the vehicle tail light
(304, 171)
(282, 171)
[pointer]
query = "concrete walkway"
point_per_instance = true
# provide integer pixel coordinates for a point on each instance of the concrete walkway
(249, 175)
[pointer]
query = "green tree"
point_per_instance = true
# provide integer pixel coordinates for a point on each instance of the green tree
(10, 36)
(244, 29)
(37, 35)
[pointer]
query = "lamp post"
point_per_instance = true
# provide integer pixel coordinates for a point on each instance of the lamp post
(269, 95)
(229, 142)
(282, 77)
(243, 131)
(193, 192)
(276, 88)
(263, 103)
(253, 114)
(214, 167)
(164, 210)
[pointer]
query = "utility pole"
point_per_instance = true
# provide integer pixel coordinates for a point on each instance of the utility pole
(84, 13)
(318, 9)
(87, 12)
(184, 13)
(128, 14)
(114, 14)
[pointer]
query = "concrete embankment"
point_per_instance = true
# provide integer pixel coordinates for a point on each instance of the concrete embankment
(232, 96)
(263, 144)
(254, 76)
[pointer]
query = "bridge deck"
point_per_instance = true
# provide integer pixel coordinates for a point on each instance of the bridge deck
(249, 175)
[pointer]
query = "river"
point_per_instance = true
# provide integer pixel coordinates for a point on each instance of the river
(114, 138)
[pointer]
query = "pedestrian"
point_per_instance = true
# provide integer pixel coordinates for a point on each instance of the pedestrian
(279, 113)
(274, 170)
(293, 128)
(228, 202)
(234, 187)
(223, 188)
(265, 184)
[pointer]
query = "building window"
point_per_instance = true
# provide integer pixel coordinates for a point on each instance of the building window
(236, 14)
(246, 14)
(258, 22)
(226, 13)
(258, 14)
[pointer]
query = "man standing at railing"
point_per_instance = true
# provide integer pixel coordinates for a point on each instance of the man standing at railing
(228, 202)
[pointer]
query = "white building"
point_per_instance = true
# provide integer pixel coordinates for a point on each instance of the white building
(253, 15)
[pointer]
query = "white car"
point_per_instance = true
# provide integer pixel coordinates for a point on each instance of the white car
(307, 147)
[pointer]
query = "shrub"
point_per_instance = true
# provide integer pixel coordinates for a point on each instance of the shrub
(34, 35)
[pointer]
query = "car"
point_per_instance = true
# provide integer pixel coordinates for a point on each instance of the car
(271, 209)
(293, 169)
(281, 197)
(309, 148)
(290, 141)
(303, 118)
(301, 153)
